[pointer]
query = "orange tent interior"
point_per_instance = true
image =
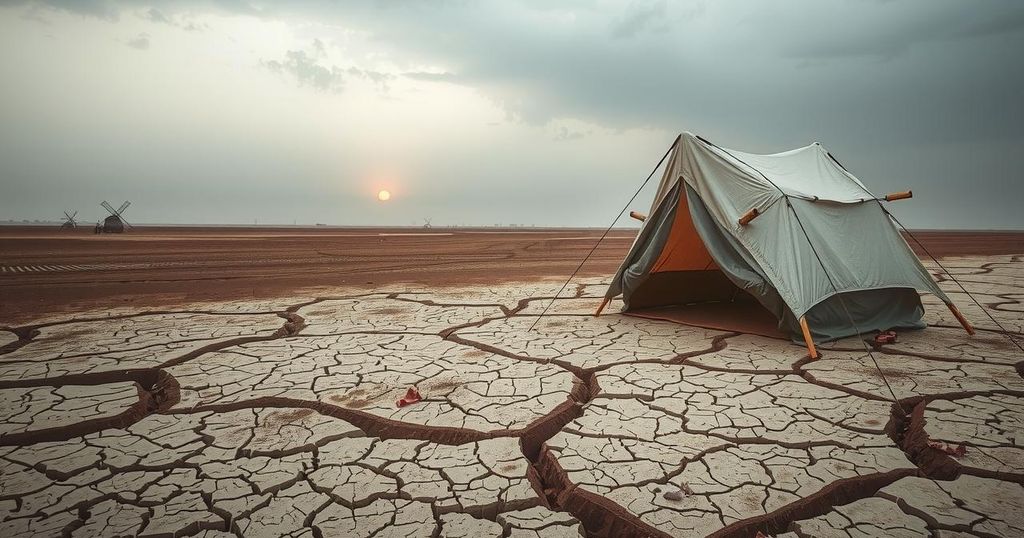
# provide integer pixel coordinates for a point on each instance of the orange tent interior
(686, 286)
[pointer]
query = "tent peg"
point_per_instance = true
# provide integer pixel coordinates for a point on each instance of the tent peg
(638, 216)
(807, 338)
(893, 196)
(749, 216)
(960, 317)
(604, 303)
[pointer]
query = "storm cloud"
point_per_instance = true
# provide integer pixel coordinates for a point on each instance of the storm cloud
(497, 104)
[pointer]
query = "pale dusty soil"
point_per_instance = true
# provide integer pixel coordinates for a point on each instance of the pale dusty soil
(277, 416)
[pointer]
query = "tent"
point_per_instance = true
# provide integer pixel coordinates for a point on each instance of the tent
(793, 231)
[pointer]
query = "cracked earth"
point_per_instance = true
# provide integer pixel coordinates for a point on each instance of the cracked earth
(279, 418)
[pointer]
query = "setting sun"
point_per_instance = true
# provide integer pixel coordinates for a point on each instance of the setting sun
(384, 195)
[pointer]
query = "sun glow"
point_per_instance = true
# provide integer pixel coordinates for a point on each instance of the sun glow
(384, 195)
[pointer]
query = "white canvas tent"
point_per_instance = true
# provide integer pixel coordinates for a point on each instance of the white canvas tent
(794, 230)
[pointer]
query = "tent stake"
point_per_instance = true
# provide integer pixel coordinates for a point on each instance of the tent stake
(960, 317)
(807, 338)
(604, 303)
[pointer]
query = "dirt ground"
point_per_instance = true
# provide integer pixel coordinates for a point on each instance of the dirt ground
(156, 266)
(47, 270)
(439, 402)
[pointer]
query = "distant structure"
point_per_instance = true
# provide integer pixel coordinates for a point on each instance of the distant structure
(115, 223)
(69, 221)
(426, 224)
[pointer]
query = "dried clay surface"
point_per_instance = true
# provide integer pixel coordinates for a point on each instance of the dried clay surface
(282, 418)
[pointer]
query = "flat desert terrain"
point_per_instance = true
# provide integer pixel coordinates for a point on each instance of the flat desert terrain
(44, 270)
(244, 382)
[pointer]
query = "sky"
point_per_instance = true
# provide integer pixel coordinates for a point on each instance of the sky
(547, 113)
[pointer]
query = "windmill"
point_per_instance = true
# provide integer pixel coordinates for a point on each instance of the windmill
(115, 223)
(426, 223)
(69, 221)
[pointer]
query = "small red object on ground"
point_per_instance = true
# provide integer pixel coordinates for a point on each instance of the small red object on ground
(957, 451)
(885, 337)
(411, 396)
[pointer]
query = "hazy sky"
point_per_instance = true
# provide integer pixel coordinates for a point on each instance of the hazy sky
(547, 113)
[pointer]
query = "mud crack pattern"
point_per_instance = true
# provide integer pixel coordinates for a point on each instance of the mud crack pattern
(279, 418)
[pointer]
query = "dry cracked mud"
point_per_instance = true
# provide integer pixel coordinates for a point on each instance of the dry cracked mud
(281, 418)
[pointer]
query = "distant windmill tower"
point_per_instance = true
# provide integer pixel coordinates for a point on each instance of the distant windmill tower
(115, 223)
(426, 223)
(69, 221)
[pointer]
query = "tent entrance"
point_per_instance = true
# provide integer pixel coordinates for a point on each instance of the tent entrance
(683, 287)
(694, 274)
(743, 313)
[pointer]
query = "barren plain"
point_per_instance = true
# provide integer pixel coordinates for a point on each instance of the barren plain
(246, 383)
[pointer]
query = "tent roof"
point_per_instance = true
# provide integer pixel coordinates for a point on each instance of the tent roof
(809, 172)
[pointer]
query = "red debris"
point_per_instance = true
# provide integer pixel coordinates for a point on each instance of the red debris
(411, 396)
(761, 535)
(885, 337)
(957, 451)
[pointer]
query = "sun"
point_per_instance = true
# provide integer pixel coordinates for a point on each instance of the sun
(384, 195)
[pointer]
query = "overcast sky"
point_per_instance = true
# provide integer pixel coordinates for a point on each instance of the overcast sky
(546, 112)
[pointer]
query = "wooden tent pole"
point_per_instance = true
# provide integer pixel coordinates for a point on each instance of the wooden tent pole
(893, 196)
(960, 317)
(807, 338)
(604, 303)
(749, 216)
